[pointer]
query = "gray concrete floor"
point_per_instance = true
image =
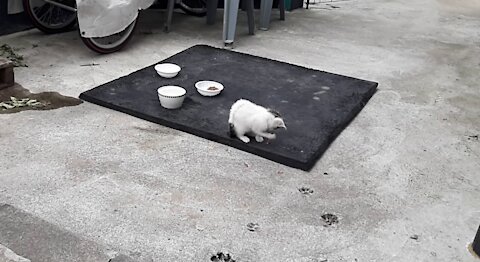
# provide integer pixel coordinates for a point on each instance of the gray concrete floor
(136, 190)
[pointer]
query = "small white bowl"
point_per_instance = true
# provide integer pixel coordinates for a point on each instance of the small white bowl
(171, 97)
(203, 88)
(167, 70)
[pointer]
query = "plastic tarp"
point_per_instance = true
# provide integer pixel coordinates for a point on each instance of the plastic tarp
(98, 18)
(107, 17)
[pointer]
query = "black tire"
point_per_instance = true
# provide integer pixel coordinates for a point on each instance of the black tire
(194, 7)
(95, 45)
(69, 16)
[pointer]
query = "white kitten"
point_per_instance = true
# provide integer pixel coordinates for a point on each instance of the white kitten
(247, 118)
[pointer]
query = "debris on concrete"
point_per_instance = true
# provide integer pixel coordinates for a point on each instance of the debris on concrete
(91, 64)
(16, 98)
(414, 237)
(15, 102)
(121, 258)
(330, 219)
(305, 190)
(10, 53)
(474, 137)
(220, 257)
(252, 227)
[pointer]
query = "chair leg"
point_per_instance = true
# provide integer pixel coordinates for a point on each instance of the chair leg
(230, 21)
(211, 11)
(265, 13)
(281, 6)
(308, 3)
(249, 6)
(170, 6)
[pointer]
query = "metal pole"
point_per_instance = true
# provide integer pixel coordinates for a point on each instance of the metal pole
(69, 8)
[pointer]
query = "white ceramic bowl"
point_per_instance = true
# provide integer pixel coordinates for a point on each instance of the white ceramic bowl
(171, 97)
(167, 70)
(209, 88)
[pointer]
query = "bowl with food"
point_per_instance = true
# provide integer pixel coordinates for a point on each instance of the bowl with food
(209, 88)
(167, 70)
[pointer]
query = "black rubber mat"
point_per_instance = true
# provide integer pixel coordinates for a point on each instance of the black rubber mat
(316, 105)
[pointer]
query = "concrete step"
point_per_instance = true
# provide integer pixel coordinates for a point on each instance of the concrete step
(7, 255)
(40, 241)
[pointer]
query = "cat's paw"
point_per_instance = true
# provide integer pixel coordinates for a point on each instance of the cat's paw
(271, 136)
(244, 139)
(259, 139)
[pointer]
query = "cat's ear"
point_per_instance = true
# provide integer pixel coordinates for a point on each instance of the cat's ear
(278, 123)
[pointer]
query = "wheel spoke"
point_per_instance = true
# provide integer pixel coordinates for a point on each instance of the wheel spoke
(45, 13)
(40, 11)
(52, 16)
(56, 17)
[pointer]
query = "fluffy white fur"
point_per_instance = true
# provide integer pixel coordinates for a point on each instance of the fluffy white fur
(247, 118)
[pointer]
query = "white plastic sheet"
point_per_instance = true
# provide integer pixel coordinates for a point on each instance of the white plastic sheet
(99, 18)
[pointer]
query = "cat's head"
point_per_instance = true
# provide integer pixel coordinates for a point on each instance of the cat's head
(277, 121)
